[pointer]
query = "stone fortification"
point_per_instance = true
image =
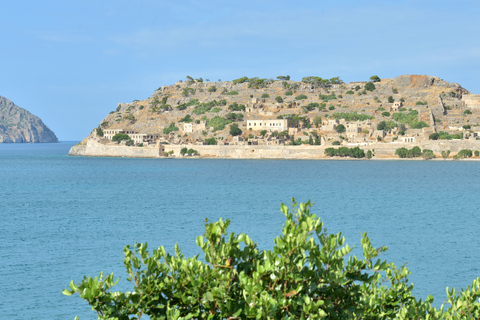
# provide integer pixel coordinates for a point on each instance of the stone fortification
(94, 148)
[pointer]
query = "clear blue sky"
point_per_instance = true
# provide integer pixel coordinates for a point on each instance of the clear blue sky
(71, 62)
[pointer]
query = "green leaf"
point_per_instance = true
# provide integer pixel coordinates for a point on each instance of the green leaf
(67, 292)
(209, 296)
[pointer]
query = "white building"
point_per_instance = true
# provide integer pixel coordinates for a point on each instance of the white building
(271, 125)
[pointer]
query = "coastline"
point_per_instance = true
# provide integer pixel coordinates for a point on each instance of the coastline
(382, 151)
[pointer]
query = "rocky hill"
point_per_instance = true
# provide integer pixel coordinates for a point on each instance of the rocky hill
(17, 125)
(325, 111)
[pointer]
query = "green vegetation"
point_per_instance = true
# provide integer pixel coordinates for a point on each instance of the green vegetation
(323, 83)
(235, 130)
(340, 128)
(232, 93)
(212, 89)
(170, 128)
(119, 137)
(283, 78)
(427, 154)
(211, 141)
(327, 98)
(369, 154)
(288, 93)
(390, 99)
(218, 123)
(464, 153)
(369, 86)
(236, 107)
(345, 152)
(445, 154)
(410, 118)
(254, 83)
(351, 116)
(317, 120)
(186, 151)
(265, 95)
(442, 135)
(375, 78)
(202, 108)
(310, 106)
(99, 132)
(420, 103)
(349, 92)
(408, 153)
(232, 116)
(240, 80)
(386, 114)
(188, 91)
(279, 99)
(336, 143)
(467, 112)
(301, 97)
(263, 133)
(295, 120)
(188, 118)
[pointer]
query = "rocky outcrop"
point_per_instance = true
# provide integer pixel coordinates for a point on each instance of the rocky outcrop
(17, 125)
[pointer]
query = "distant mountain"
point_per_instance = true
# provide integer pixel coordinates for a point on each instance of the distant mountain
(17, 125)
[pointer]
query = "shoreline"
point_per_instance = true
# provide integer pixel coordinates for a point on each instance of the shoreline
(382, 151)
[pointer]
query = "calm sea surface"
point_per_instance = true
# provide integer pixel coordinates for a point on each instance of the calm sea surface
(64, 217)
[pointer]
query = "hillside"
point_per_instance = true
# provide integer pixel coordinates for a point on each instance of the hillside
(408, 108)
(17, 125)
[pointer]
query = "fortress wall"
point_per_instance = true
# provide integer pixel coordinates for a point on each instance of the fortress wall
(253, 152)
(96, 149)
(381, 150)
(471, 100)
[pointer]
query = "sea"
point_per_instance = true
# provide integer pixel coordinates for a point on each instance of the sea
(64, 217)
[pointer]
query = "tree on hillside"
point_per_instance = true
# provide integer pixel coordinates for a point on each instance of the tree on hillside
(340, 128)
(369, 86)
(235, 130)
(375, 78)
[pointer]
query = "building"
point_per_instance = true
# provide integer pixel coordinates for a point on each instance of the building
(396, 105)
(270, 125)
(110, 133)
(407, 139)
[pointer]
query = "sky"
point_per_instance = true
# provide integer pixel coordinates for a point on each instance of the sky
(71, 62)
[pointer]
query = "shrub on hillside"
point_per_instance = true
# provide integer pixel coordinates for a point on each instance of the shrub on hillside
(301, 97)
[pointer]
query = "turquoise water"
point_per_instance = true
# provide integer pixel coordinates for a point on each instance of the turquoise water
(64, 217)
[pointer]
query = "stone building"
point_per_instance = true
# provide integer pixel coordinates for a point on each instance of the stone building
(270, 125)
(396, 105)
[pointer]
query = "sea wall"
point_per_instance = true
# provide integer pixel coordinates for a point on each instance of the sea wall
(94, 148)
(253, 152)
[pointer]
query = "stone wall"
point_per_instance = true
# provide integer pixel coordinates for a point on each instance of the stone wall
(93, 148)
(381, 150)
(471, 100)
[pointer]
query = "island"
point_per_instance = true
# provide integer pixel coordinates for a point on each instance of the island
(410, 116)
(17, 125)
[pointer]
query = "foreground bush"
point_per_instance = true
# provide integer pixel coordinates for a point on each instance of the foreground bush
(306, 275)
